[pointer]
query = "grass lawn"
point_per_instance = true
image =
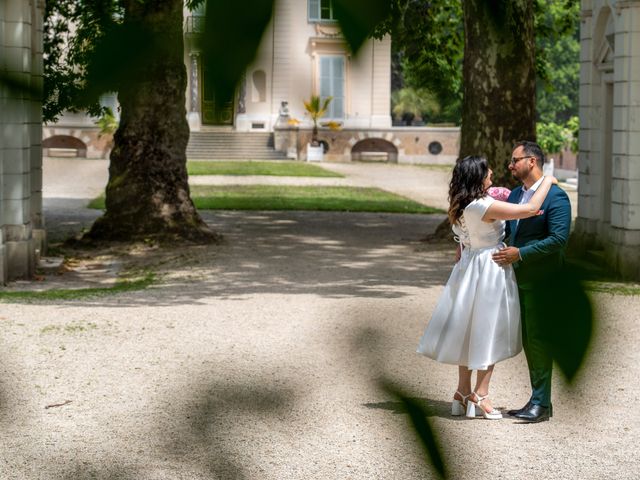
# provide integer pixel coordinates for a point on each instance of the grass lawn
(76, 294)
(279, 169)
(268, 197)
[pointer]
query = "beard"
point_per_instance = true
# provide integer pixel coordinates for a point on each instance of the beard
(516, 175)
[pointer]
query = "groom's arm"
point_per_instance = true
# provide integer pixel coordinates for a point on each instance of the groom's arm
(559, 223)
(513, 198)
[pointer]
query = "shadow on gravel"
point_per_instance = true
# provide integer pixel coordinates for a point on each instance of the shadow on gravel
(433, 408)
(88, 472)
(214, 418)
(333, 255)
(5, 407)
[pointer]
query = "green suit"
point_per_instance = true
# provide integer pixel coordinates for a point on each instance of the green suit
(541, 241)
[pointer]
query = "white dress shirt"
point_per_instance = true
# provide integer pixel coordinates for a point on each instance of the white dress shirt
(527, 193)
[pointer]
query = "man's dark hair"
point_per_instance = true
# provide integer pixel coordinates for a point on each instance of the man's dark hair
(532, 149)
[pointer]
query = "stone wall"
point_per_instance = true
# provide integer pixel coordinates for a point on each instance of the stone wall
(58, 141)
(412, 143)
(22, 234)
(609, 157)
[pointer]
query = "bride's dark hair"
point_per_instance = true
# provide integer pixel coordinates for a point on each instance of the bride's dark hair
(467, 184)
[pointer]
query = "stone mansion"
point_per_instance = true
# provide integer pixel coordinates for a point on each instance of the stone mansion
(302, 53)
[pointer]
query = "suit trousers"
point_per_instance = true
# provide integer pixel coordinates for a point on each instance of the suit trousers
(538, 359)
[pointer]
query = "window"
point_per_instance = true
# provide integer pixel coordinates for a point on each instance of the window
(332, 79)
(321, 11)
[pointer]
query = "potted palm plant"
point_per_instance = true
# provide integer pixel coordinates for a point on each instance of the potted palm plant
(316, 109)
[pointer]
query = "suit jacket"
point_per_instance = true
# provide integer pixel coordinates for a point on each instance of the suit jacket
(541, 239)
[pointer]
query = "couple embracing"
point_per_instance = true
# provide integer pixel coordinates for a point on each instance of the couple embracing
(486, 312)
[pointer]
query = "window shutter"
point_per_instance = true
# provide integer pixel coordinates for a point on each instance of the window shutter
(338, 87)
(332, 84)
(314, 10)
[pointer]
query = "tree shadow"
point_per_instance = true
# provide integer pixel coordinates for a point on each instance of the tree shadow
(83, 470)
(207, 438)
(432, 408)
(329, 254)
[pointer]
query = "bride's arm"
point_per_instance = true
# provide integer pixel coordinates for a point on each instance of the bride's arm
(513, 211)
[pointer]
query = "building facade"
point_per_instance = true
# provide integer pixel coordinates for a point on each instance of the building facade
(302, 53)
(609, 157)
(22, 234)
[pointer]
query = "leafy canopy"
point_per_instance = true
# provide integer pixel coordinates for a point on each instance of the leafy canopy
(428, 41)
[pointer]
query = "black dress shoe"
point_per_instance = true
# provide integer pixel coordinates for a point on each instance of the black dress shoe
(535, 414)
(513, 413)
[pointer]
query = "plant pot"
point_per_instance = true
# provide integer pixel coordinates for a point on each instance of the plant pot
(315, 154)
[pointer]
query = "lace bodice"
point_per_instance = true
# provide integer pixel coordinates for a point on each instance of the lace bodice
(473, 232)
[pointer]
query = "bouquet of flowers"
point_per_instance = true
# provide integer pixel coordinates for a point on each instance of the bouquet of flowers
(499, 193)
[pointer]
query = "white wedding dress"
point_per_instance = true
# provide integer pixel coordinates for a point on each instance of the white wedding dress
(476, 322)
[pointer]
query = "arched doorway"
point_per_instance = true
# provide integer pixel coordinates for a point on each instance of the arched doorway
(374, 150)
(63, 146)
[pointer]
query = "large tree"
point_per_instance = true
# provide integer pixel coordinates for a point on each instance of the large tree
(499, 80)
(444, 45)
(135, 47)
(148, 190)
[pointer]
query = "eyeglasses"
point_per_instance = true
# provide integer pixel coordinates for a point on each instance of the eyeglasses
(515, 160)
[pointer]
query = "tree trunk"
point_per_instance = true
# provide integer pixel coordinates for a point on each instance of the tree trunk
(148, 192)
(499, 85)
(499, 103)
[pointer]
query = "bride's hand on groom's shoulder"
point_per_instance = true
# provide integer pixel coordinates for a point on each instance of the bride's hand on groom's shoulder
(554, 180)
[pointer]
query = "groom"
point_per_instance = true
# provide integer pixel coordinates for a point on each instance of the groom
(536, 251)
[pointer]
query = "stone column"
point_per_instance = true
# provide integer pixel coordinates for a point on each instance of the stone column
(16, 141)
(623, 248)
(35, 127)
(3, 115)
(193, 117)
(586, 221)
(381, 83)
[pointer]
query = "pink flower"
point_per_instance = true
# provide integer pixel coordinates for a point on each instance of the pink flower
(499, 193)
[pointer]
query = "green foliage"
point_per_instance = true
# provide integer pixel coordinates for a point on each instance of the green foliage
(554, 137)
(56, 294)
(409, 104)
(429, 40)
(550, 136)
(108, 123)
(557, 59)
(614, 288)
(277, 197)
(428, 43)
(279, 169)
(72, 31)
(573, 127)
(316, 108)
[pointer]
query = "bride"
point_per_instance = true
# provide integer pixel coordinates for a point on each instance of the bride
(476, 322)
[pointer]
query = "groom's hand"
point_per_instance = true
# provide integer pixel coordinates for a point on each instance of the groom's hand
(506, 256)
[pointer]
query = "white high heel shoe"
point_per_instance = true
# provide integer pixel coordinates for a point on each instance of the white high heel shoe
(474, 408)
(458, 407)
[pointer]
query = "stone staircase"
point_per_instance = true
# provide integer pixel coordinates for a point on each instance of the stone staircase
(230, 145)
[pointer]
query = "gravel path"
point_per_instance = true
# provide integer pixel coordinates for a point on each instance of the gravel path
(260, 359)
